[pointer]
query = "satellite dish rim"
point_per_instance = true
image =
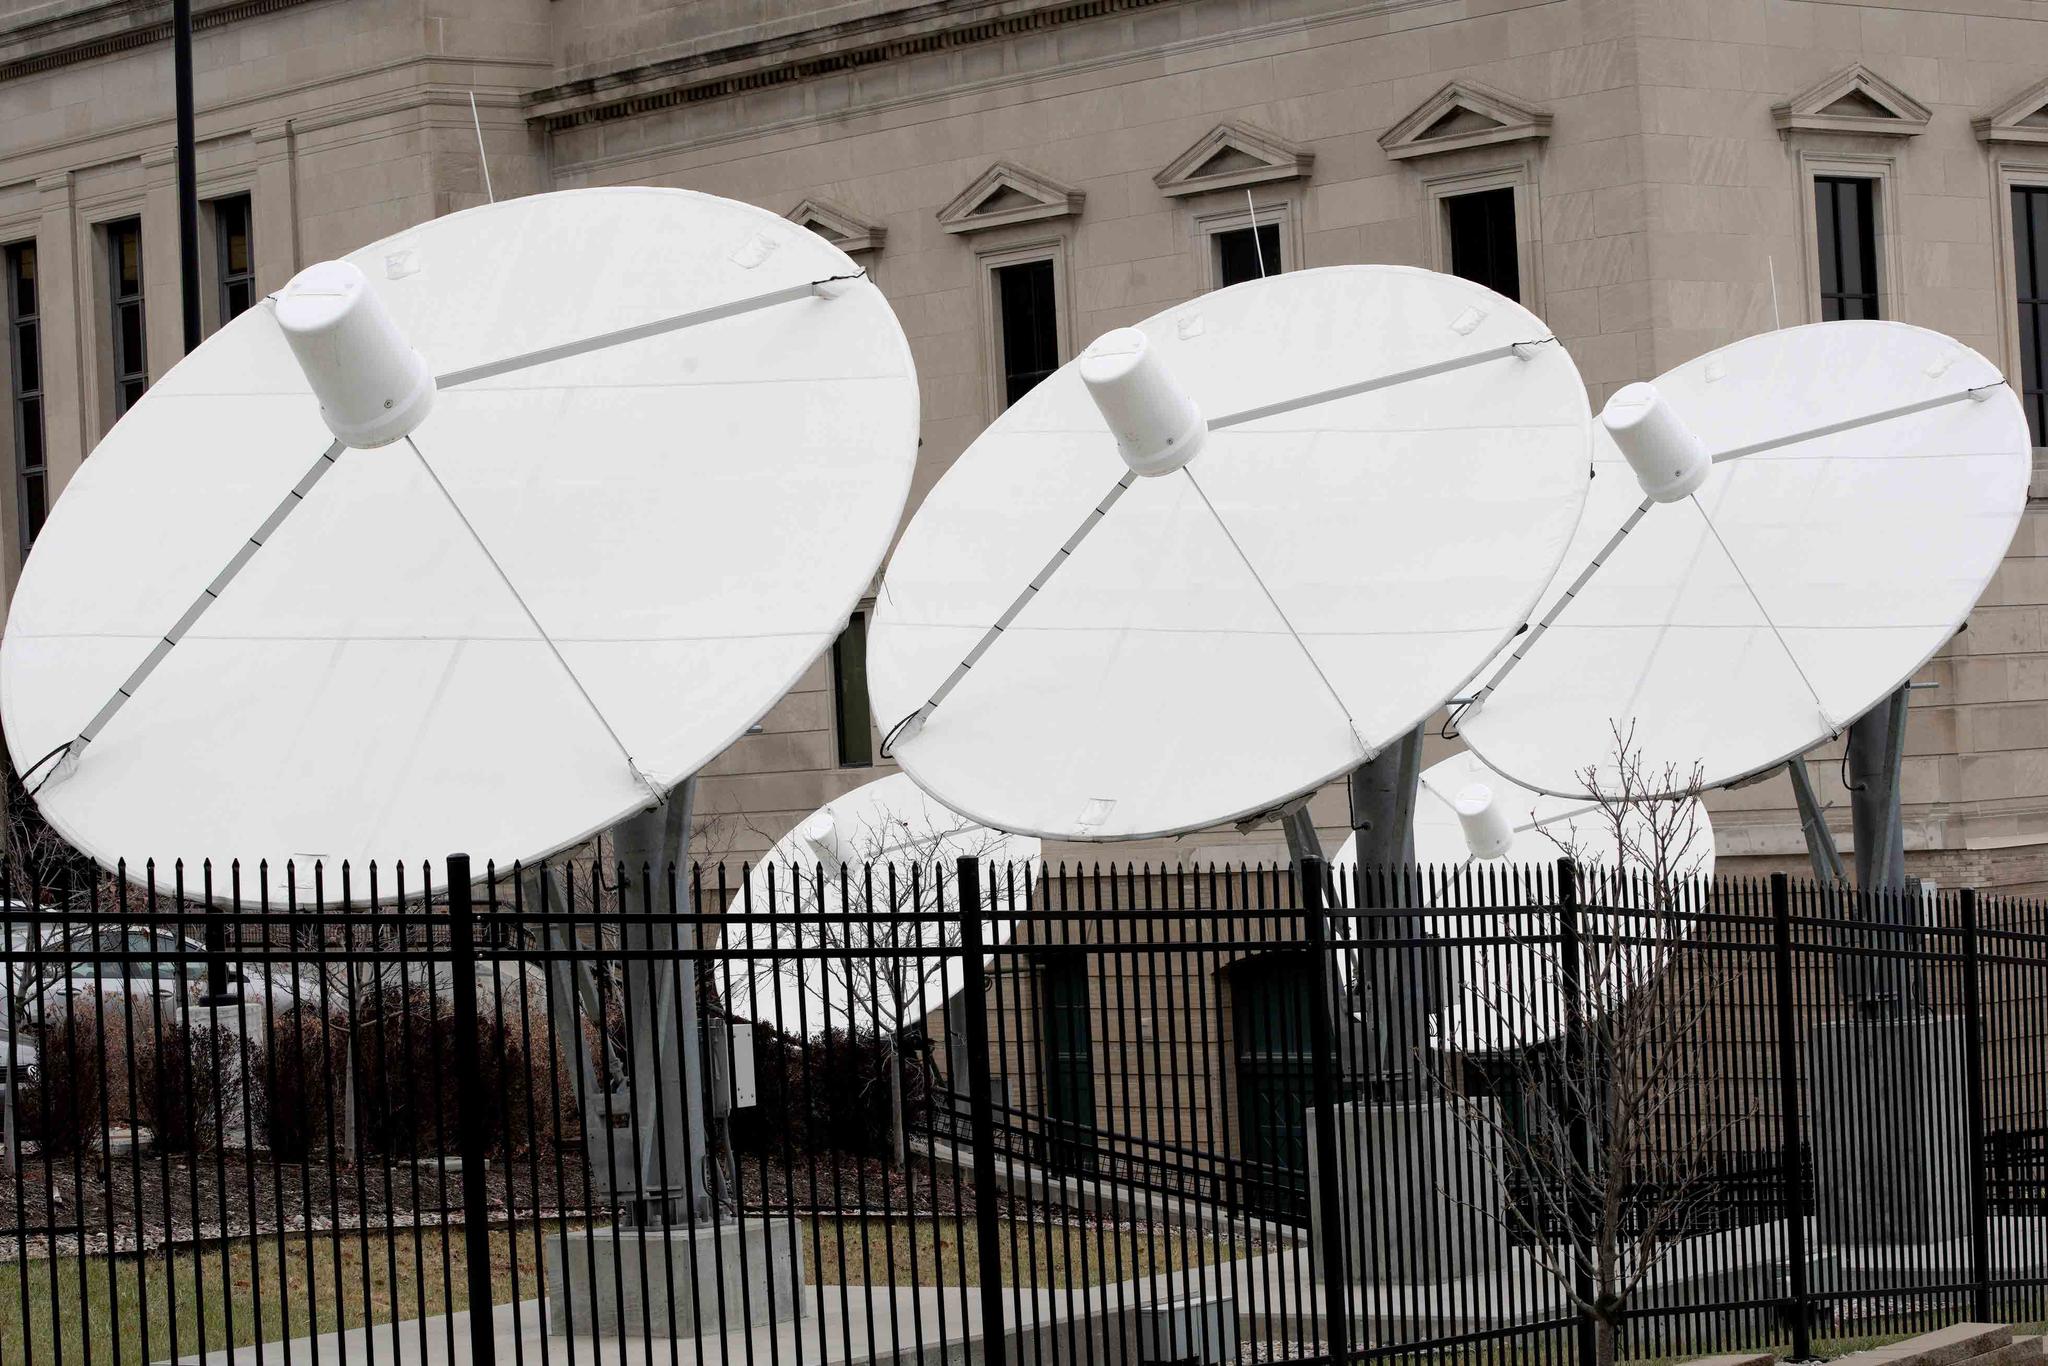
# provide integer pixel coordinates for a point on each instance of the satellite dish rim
(2001, 392)
(904, 395)
(1515, 623)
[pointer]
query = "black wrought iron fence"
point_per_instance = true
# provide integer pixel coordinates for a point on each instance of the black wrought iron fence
(585, 1114)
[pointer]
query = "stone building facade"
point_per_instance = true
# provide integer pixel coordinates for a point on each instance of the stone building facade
(1653, 177)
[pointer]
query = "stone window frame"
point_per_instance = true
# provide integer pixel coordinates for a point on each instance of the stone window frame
(96, 313)
(211, 193)
(1051, 246)
(1278, 202)
(2010, 170)
(18, 230)
(1518, 174)
(1811, 164)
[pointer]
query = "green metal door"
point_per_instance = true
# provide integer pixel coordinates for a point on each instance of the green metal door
(1270, 1000)
(1066, 1062)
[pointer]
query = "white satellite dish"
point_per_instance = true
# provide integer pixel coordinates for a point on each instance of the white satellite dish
(566, 582)
(1853, 486)
(1503, 969)
(885, 974)
(1360, 479)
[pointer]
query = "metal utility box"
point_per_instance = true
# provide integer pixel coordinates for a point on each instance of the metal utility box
(730, 1065)
(1201, 1331)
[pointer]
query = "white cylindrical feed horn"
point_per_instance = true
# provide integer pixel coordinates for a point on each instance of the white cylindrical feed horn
(1487, 833)
(372, 386)
(820, 833)
(1157, 426)
(1669, 460)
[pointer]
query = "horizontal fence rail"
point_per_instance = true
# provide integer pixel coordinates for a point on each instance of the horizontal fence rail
(582, 1113)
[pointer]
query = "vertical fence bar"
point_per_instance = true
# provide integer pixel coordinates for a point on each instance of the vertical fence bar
(1793, 1144)
(1578, 1066)
(471, 1138)
(1973, 1106)
(980, 1105)
(1329, 1157)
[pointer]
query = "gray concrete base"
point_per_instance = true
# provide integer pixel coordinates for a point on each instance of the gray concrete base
(627, 1282)
(1421, 1190)
(1891, 1158)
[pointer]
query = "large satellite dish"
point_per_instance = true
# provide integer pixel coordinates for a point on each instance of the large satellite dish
(1820, 508)
(564, 580)
(809, 966)
(1230, 553)
(1504, 984)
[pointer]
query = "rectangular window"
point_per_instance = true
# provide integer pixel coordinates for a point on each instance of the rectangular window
(1247, 254)
(1481, 229)
(124, 295)
(2030, 279)
(25, 365)
(850, 711)
(1845, 220)
(235, 263)
(1027, 319)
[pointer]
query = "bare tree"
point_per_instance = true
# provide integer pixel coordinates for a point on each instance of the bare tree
(1602, 1040)
(874, 902)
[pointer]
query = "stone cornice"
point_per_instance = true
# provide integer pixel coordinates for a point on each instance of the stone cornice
(64, 34)
(732, 70)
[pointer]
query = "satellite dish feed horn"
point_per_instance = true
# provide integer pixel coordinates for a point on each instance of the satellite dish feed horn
(1157, 426)
(1485, 824)
(372, 386)
(1668, 457)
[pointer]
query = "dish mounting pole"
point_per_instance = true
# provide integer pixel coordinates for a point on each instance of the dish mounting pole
(1820, 841)
(1398, 995)
(668, 1180)
(1877, 745)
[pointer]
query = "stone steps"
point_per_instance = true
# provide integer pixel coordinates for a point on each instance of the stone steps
(1961, 1344)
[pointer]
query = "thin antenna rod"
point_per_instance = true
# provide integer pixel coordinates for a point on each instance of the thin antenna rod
(482, 159)
(1258, 252)
(1776, 322)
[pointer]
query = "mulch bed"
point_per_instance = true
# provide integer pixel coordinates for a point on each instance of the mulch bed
(143, 1201)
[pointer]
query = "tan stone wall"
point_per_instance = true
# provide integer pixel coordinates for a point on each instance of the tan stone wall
(1661, 202)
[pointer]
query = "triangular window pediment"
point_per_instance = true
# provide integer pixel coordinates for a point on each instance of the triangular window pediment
(1231, 156)
(838, 226)
(1007, 193)
(2024, 121)
(1461, 115)
(1853, 100)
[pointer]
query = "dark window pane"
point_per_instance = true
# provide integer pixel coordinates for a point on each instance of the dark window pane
(131, 365)
(850, 709)
(1845, 224)
(35, 506)
(31, 415)
(1483, 246)
(1241, 256)
(28, 357)
(24, 275)
(131, 336)
(1029, 325)
(25, 368)
(2030, 275)
(233, 257)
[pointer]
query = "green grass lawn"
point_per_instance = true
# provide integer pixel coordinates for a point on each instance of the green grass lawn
(161, 1308)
